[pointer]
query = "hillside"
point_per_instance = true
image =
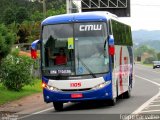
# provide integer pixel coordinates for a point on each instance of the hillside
(144, 35)
(155, 44)
(149, 38)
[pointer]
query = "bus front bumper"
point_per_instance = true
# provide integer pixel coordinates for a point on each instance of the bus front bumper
(61, 96)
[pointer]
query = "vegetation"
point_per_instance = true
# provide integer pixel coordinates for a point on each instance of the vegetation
(144, 48)
(24, 17)
(149, 60)
(141, 50)
(158, 56)
(15, 71)
(20, 23)
(153, 44)
(8, 95)
(6, 41)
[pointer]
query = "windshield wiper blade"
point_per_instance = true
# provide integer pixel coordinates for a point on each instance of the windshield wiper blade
(93, 75)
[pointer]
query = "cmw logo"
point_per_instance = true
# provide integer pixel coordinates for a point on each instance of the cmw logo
(90, 27)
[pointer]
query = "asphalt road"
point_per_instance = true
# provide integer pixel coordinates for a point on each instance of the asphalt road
(145, 99)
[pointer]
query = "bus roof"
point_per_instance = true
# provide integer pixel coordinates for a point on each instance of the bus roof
(78, 17)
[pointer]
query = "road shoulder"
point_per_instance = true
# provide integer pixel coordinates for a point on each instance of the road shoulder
(26, 105)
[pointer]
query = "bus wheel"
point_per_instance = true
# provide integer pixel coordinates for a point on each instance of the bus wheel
(113, 101)
(58, 106)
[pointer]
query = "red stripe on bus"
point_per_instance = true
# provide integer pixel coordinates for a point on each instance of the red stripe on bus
(120, 72)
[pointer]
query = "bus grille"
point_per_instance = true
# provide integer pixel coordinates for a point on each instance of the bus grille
(72, 90)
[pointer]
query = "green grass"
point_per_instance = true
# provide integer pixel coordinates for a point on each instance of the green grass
(151, 65)
(7, 95)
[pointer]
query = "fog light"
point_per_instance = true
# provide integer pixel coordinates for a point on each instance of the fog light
(47, 97)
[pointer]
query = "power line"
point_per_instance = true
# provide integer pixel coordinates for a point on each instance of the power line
(151, 5)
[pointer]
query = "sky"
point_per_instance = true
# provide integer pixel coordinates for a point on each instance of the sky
(145, 14)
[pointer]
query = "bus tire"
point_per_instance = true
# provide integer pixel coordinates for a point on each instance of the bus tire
(113, 101)
(58, 106)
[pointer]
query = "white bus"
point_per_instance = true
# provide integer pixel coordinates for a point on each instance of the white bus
(85, 56)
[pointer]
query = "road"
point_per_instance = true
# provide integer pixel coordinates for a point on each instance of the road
(145, 99)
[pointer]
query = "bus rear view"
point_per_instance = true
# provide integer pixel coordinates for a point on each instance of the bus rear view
(78, 59)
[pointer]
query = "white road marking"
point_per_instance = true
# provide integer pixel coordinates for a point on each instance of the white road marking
(150, 100)
(149, 111)
(154, 105)
(51, 108)
(148, 69)
(155, 101)
(148, 80)
(35, 113)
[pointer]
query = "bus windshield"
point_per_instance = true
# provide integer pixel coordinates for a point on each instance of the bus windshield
(75, 49)
(91, 51)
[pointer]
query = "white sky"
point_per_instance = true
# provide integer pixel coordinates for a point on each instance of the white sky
(145, 14)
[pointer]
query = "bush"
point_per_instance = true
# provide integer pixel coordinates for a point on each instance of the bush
(15, 71)
(7, 39)
(149, 60)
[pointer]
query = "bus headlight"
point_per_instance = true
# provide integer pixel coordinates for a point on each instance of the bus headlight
(52, 88)
(101, 85)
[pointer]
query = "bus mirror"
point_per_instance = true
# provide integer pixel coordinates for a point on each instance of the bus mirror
(111, 45)
(33, 53)
(34, 49)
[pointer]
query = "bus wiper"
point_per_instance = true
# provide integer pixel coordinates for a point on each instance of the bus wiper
(93, 75)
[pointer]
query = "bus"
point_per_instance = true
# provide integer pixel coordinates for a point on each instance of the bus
(84, 57)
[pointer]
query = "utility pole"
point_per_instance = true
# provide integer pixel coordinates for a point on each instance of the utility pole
(44, 8)
(69, 6)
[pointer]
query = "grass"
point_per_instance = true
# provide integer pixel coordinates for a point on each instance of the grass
(151, 65)
(7, 95)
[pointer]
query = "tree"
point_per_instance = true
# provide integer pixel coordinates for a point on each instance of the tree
(158, 56)
(9, 16)
(22, 34)
(138, 52)
(149, 60)
(37, 16)
(28, 31)
(21, 15)
(7, 39)
(142, 49)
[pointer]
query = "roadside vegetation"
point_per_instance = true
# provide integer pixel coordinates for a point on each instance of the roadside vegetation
(146, 55)
(16, 71)
(10, 95)
(20, 23)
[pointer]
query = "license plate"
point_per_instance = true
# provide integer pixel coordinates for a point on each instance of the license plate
(77, 95)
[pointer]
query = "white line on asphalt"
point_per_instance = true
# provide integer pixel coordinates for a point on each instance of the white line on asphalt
(148, 80)
(153, 105)
(156, 101)
(150, 100)
(35, 113)
(148, 111)
(151, 70)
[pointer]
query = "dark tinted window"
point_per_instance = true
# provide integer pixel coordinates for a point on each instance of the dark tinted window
(121, 33)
